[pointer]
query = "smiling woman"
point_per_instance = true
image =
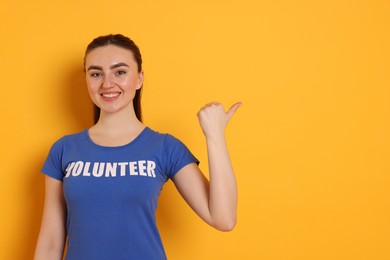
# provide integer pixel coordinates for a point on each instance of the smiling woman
(97, 196)
(112, 78)
(133, 50)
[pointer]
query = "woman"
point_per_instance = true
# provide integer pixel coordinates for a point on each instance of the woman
(102, 184)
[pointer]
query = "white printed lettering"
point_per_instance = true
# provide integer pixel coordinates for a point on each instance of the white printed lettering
(86, 169)
(98, 169)
(133, 168)
(69, 169)
(150, 168)
(111, 169)
(122, 166)
(142, 168)
(77, 169)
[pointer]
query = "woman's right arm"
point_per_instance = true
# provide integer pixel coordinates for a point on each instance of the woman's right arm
(52, 236)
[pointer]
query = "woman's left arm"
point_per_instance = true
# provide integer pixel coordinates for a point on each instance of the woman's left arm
(215, 201)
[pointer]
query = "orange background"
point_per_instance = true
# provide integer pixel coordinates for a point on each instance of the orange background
(310, 146)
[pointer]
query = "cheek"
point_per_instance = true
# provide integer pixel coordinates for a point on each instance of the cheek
(130, 83)
(92, 85)
(92, 90)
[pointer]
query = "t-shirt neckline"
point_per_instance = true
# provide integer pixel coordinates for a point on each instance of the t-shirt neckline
(135, 140)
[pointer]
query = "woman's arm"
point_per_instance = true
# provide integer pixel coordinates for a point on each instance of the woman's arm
(52, 236)
(215, 201)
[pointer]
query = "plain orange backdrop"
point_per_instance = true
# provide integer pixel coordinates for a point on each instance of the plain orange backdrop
(310, 145)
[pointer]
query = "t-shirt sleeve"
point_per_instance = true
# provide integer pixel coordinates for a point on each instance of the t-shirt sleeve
(177, 155)
(53, 164)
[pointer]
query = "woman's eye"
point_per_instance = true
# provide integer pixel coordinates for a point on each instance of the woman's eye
(95, 75)
(121, 72)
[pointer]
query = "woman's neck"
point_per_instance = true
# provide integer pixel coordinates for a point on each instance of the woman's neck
(114, 129)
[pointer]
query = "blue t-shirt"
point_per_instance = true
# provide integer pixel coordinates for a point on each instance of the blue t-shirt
(111, 193)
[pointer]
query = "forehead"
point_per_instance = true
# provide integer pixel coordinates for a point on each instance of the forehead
(109, 54)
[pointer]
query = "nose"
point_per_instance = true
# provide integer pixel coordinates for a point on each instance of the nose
(108, 81)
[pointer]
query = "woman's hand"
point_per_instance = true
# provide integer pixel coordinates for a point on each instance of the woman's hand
(215, 201)
(213, 118)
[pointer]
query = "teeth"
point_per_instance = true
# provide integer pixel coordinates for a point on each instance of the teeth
(110, 95)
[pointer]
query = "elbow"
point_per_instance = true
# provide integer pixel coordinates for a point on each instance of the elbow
(225, 225)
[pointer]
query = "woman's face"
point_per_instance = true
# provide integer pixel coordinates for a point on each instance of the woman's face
(112, 78)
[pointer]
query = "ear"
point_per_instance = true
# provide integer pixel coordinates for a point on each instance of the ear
(140, 80)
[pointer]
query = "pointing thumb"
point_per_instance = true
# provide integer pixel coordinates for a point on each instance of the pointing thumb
(233, 109)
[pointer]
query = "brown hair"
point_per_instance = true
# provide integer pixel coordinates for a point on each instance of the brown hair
(126, 43)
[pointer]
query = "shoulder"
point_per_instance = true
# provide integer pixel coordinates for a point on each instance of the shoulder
(165, 138)
(74, 136)
(172, 146)
(68, 139)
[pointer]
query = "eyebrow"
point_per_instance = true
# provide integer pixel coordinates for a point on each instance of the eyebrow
(93, 67)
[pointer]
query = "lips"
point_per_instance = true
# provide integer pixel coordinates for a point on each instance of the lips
(110, 95)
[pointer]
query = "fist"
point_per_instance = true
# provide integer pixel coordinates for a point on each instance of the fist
(213, 119)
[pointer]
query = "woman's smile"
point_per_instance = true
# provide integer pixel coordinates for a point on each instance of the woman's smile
(112, 78)
(110, 96)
